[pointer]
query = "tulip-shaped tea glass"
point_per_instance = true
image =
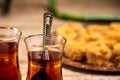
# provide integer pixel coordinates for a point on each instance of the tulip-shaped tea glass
(9, 65)
(44, 64)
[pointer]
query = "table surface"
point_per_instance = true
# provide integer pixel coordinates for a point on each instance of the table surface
(29, 19)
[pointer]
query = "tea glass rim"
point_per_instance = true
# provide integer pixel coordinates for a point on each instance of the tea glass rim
(42, 35)
(14, 29)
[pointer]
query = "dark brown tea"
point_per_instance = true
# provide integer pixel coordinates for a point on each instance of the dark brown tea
(40, 69)
(9, 67)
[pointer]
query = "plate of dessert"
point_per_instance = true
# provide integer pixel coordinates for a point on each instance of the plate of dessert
(93, 47)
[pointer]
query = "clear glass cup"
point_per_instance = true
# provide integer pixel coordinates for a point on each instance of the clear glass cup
(39, 67)
(9, 65)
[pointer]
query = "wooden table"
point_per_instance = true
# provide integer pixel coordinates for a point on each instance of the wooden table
(29, 19)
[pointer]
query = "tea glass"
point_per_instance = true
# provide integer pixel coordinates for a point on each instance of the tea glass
(48, 66)
(9, 43)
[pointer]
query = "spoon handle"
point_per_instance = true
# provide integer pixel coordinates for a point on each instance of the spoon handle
(47, 27)
(46, 34)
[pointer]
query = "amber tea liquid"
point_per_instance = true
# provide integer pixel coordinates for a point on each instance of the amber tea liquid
(9, 67)
(40, 69)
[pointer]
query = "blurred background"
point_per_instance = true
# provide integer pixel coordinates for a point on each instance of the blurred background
(27, 15)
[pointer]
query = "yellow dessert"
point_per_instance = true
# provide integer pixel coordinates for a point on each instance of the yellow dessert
(99, 44)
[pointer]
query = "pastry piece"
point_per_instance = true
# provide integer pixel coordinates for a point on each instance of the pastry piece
(76, 36)
(115, 26)
(66, 32)
(97, 28)
(96, 31)
(116, 55)
(75, 50)
(72, 31)
(98, 53)
(108, 42)
(112, 35)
